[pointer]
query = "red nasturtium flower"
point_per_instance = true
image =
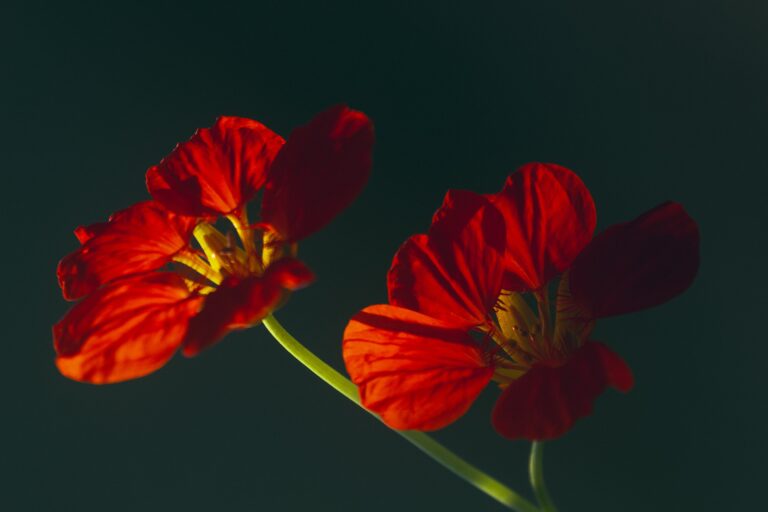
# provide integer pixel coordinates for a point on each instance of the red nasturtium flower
(457, 317)
(147, 291)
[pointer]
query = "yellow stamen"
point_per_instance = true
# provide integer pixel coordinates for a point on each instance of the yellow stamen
(272, 247)
(572, 324)
(244, 231)
(542, 302)
(515, 318)
(197, 264)
(512, 349)
(222, 251)
(195, 286)
(211, 241)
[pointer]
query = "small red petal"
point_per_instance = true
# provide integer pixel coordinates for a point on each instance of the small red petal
(455, 272)
(85, 233)
(218, 170)
(416, 372)
(141, 238)
(240, 303)
(638, 264)
(320, 171)
(124, 330)
(546, 402)
(550, 217)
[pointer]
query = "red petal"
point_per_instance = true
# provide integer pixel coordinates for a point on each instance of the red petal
(638, 264)
(138, 239)
(240, 303)
(416, 372)
(546, 402)
(85, 233)
(320, 171)
(550, 217)
(455, 272)
(218, 170)
(124, 330)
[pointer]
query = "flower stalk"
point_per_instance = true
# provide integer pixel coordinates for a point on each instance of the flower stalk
(480, 480)
(536, 472)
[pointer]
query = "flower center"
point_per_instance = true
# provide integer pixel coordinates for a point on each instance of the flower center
(220, 256)
(526, 337)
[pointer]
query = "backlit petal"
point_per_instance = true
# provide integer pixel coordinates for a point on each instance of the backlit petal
(550, 217)
(415, 371)
(141, 238)
(546, 401)
(216, 171)
(638, 264)
(320, 171)
(124, 330)
(240, 303)
(454, 273)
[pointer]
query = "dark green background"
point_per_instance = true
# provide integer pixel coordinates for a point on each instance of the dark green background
(647, 101)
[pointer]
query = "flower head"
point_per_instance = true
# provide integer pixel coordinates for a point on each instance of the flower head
(159, 276)
(469, 302)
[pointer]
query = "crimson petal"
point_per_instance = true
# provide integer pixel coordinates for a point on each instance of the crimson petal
(455, 272)
(216, 171)
(320, 171)
(240, 303)
(546, 401)
(415, 371)
(637, 264)
(85, 233)
(550, 217)
(126, 329)
(138, 239)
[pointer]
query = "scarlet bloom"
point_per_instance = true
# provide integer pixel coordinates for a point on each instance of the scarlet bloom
(458, 315)
(158, 276)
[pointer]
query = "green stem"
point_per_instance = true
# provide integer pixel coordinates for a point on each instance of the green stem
(423, 442)
(536, 470)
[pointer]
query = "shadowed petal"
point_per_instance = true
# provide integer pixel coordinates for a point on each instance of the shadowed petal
(216, 171)
(240, 303)
(455, 272)
(141, 238)
(124, 330)
(638, 264)
(85, 233)
(320, 171)
(416, 372)
(546, 401)
(550, 217)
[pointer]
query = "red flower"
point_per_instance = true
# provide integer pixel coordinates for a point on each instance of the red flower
(457, 318)
(147, 291)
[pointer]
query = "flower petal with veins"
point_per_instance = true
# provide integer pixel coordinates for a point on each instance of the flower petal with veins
(415, 371)
(126, 329)
(218, 170)
(141, 238)
(321, 169)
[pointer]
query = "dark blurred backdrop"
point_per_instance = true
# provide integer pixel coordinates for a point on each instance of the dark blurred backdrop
(647, 101)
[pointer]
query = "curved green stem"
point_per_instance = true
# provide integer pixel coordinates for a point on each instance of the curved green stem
(423, 442)
(536, 470)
